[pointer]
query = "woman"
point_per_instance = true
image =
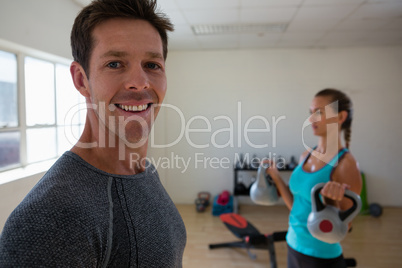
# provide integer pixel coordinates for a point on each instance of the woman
(329, 162)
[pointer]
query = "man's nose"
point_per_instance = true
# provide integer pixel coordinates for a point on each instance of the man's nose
(137, 78)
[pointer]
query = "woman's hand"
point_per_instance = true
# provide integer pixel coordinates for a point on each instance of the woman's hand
(280, 184)
(334, 190)
(271, 170)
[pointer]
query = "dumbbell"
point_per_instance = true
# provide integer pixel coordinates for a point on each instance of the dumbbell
(327, 223)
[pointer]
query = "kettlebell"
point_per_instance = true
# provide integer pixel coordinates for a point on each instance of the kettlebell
(240, 188)
(263, 191)
(202, 201)
(327, 223)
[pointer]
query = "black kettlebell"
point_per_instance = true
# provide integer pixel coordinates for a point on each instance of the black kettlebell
(327, 223)
(241, 189)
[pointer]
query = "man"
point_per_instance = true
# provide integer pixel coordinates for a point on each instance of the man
(102, 204)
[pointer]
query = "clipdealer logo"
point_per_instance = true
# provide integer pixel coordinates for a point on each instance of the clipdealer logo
(237, 129)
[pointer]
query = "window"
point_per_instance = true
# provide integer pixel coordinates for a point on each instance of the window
(9, 137)
(71, 110)
(39, 92)
(41, 112)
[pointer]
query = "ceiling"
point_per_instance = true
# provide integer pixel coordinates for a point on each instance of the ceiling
(308, 23)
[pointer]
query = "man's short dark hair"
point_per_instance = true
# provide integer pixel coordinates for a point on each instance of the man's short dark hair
(98, 11)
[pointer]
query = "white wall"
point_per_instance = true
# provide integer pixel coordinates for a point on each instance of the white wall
(41, 24)
(282, 83)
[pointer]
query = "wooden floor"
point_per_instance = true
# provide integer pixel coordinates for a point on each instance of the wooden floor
(374, 242)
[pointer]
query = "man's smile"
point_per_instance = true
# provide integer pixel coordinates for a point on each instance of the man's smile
(133, 108)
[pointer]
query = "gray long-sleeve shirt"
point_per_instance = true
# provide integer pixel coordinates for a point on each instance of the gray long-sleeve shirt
(80, 216)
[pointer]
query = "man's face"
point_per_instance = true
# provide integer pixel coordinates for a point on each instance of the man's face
(127, 80)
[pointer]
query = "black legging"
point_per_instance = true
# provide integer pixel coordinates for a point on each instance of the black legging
(299, 260)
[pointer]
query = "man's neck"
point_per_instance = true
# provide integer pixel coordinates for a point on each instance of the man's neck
(111, 155)
(112, 161)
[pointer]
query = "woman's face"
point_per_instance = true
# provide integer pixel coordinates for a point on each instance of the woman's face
(324, 116)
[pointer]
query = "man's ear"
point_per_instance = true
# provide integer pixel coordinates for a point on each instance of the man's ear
(80, 79)
(342, 116)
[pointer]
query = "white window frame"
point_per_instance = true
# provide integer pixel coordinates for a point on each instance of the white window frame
(21, 53)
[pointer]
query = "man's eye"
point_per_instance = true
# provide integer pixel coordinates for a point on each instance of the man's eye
(152, 66)
(113, 65)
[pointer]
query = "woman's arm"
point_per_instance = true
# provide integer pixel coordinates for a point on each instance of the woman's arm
(282, 187)
(346, 176)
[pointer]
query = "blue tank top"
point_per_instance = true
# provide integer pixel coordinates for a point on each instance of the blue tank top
(300, 184)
